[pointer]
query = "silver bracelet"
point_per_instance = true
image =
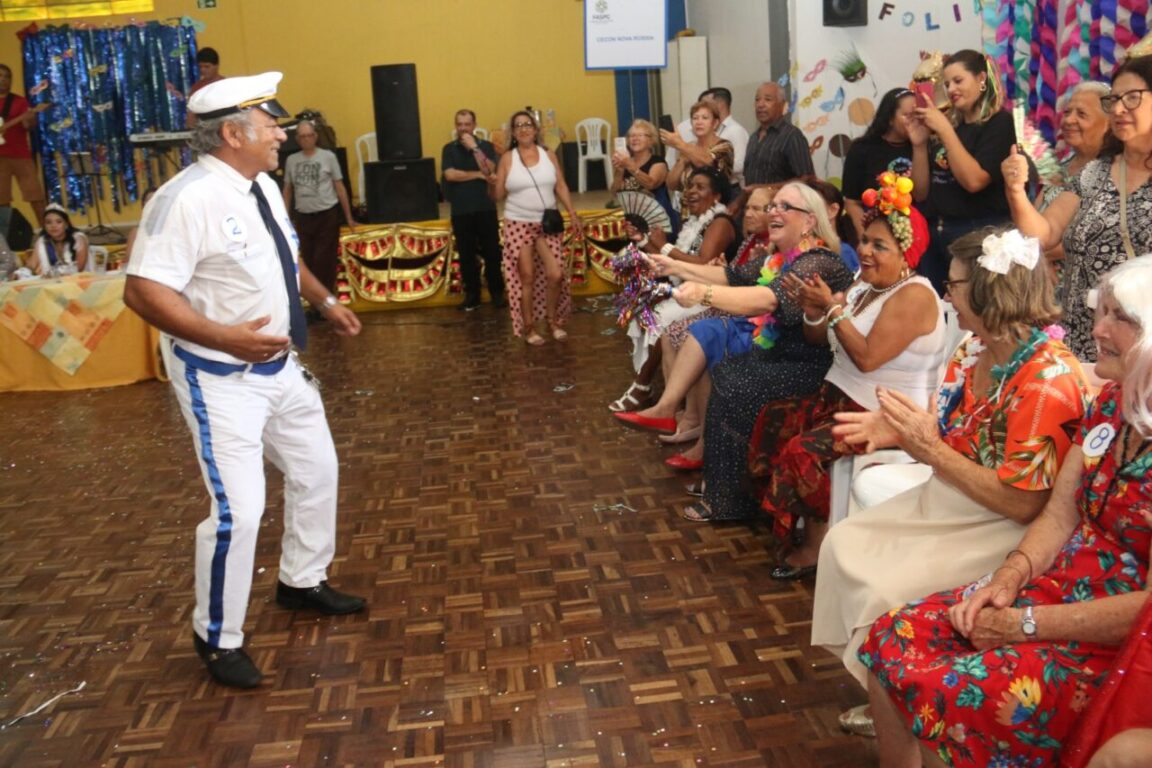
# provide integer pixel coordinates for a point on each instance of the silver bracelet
(845, 315)
(666, 249)
(818, 321)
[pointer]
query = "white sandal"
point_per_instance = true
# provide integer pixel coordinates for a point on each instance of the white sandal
(858, 720)
(629, 401)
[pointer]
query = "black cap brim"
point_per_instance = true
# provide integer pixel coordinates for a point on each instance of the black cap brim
(268, 106)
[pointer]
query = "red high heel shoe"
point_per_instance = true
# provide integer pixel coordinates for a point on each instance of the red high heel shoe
(682, 463)
(633, 419)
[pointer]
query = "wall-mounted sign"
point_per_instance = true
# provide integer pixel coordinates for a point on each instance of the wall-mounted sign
(625, 34)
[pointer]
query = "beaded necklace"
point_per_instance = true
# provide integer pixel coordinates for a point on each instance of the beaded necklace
(867, 295)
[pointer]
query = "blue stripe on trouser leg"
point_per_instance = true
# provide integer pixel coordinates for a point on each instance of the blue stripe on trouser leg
(224, 511)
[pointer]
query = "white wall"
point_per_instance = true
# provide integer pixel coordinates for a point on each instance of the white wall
(890, 48)
(737, 48)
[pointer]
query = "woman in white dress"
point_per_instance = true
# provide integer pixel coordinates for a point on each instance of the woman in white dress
(60, 246)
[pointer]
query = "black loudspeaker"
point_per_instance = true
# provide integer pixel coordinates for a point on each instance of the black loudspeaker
(845, 13)
(401, 190)
(15, 228)
(397, 108)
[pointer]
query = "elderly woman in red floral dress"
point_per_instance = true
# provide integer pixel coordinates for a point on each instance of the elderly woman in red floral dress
(996, 673)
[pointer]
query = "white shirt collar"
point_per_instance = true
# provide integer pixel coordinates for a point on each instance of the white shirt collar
(228, 173)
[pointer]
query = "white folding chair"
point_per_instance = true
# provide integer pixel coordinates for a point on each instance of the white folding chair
(593, 137)
(365, 153)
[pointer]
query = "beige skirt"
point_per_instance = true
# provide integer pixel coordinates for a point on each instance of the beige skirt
(927, 539)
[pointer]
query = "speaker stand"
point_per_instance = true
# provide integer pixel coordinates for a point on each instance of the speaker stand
(108, 234)
(81, 165)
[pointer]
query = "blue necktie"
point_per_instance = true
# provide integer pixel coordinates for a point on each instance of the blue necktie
(298, 326)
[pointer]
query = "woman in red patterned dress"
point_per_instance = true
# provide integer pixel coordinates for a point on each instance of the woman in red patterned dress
(996, 673)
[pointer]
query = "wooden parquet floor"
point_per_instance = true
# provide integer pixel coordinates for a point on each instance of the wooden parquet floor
(519, 616)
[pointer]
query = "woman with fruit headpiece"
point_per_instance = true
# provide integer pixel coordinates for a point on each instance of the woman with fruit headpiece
(995, 436)
(886, 330)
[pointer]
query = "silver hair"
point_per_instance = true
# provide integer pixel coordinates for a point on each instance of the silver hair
(206, 137)
(1094, 87)
(310, 123)
(1129, 285)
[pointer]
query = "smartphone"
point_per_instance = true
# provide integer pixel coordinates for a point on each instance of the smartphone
(666, 123)
(620, 145)
(925, 93)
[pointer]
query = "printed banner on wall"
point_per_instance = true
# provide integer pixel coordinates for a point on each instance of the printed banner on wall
(625, 34)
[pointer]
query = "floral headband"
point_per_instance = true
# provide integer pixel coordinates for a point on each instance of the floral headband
(893, 200)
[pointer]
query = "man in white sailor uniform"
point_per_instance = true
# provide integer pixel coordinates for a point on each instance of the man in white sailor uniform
(215, 268)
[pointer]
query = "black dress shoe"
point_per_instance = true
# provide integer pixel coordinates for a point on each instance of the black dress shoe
(500, 302)
(468, 305)
(785, 572)
(228, 666)
(321, 598)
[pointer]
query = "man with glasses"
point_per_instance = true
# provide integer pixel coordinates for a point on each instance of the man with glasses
(468, 165)
(312, 178)
(215, 269)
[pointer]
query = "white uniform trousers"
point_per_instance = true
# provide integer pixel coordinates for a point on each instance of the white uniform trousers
(236, 420)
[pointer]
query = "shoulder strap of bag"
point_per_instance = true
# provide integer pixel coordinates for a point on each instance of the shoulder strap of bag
(542, 201)
(1128, 249)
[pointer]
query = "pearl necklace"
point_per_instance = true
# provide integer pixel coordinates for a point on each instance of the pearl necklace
(871, 294)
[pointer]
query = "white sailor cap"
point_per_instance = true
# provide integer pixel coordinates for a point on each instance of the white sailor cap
(238, 94)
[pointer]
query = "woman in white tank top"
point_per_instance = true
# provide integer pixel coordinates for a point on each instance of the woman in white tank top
(529, 180)
(886, 331)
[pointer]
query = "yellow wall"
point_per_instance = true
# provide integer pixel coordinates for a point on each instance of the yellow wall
(492, 57)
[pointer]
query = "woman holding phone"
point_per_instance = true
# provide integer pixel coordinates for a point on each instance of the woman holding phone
(956, 157)
(640, 167)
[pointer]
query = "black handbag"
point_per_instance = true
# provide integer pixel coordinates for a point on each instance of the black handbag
(552, 223)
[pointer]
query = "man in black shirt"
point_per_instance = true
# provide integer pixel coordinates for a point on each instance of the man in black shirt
(468, 165)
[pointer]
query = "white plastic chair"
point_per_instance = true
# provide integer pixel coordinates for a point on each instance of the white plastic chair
(593, 137)
(365, 153)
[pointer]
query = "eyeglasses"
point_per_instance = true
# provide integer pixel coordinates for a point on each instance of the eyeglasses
(1130, 99)
(950, 284)
(521, 126)
(783, 208)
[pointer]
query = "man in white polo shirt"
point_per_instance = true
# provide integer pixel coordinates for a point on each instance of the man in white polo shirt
(215, 268)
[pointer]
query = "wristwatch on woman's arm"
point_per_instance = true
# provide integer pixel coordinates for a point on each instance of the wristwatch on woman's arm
(1028, 624)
